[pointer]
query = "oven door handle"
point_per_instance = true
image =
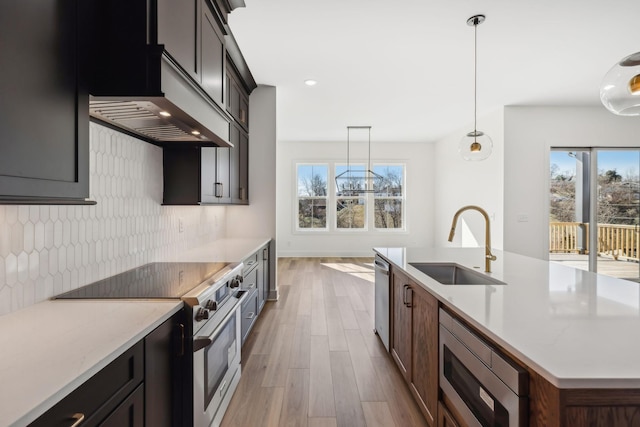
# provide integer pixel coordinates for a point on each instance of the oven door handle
(201, 342)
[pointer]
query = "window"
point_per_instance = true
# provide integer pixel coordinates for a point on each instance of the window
(312, 196)
(389, 197)
(351, 211)
(381, 210)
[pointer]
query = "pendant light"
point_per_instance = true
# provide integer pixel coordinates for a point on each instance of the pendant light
(620, 88)
(475, 145)
(356, 182)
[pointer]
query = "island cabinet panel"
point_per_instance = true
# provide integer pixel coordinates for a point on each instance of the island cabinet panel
(414, 343)
(551, 406)
(445, 418)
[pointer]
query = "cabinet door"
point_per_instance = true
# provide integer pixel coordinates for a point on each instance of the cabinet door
(239, 165)
(223, 174)
(243, 168)
(181, 173)
(129, 413)
(401, 341)
(209, 186)
(44, 117)
(424, 360)
(249, 313)
(445, 419)
(177, 29)
(213, 56)
(263, 282)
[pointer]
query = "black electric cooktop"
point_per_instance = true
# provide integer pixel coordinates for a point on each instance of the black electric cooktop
(156, 280)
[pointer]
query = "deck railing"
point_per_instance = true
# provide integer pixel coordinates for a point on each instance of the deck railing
(617, 241)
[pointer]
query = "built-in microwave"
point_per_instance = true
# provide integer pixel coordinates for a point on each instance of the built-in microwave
(485, 388)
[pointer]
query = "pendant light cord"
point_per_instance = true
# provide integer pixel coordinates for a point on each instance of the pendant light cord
(475, 76)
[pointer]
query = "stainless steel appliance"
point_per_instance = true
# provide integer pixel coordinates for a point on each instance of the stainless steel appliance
(485, 388)
(212, 301)
(382, 300)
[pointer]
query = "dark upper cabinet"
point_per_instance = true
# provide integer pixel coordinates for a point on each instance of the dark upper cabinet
(44, 122)
(239, 165)
(213, 54)
(237, 97)
(196, 176)
(178, 25)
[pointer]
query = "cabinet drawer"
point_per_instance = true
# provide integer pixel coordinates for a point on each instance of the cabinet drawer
(101, 394)
(250, 280)
(249, 263)
(249, 313)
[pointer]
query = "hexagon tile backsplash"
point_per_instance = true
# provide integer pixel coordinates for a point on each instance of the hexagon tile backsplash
(46, 250)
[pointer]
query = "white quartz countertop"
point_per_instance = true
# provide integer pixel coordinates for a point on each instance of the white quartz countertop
(575, 328)
(49, 349)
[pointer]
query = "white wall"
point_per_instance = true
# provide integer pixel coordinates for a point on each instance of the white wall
(46, 250)
(258, 219)
(419, 161)
(459, 182)
(529, 133)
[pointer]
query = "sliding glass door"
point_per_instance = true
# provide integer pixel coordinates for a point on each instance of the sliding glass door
(594, 218)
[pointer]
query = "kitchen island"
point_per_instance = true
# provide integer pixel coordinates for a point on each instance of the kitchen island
(577, 333)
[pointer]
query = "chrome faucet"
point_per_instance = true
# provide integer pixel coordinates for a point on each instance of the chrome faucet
(487, 244)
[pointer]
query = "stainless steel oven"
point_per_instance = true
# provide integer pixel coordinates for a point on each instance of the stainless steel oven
(484, 387)
(216, 363)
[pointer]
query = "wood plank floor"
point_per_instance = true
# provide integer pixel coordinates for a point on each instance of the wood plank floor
(312, 358)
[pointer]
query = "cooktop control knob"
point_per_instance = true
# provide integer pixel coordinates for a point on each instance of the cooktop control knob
(211, 305)
(202, 314)
(236, 281)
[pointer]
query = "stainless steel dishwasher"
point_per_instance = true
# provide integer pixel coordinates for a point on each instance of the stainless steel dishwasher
(382, 300)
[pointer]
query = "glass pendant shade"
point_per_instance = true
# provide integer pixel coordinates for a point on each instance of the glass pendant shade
(475, 146)
(620, 88)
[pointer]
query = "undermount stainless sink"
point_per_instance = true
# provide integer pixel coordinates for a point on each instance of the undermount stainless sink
(454, 274)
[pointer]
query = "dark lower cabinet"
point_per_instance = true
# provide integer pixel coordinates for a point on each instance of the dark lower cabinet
(139, 388)
(129, 413)
(99, 396)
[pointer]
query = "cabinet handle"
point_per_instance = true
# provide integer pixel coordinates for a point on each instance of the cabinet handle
(78, 419)
(218, 185)
(181, 326)
(406, 302)
(242, 193)
(250, 263)
(265, 254)
(251, 316)
(251, 286)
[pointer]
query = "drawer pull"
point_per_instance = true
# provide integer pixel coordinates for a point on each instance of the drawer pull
(250, 316)
(78, 419)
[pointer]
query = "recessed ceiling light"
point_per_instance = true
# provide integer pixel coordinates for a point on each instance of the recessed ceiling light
(165, 114)
(310, 82)
(195, 132)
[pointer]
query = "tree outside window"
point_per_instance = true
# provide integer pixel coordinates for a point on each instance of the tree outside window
(389, 197)
(312, 196)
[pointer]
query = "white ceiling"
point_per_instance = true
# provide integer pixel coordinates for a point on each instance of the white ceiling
(406, 67)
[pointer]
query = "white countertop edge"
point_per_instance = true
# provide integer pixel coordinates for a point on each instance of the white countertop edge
(64, 391)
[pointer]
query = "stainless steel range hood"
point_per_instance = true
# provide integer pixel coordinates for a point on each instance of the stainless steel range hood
(179, 112)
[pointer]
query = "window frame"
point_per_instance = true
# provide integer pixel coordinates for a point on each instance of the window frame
(297, 198)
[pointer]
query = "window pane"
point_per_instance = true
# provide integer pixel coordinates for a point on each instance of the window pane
(312, 213)
(391, 184)
(312, 180)
(351, 213)
(350, 179)
(388, 213)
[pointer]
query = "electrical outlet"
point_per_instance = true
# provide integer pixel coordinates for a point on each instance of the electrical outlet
(522, 217)
(180, 277)
(180, 225)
